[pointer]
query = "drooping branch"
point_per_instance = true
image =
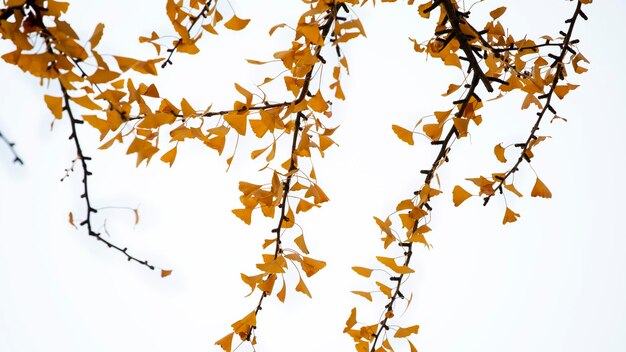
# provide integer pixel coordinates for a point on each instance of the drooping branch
(11, 145)
(455, 18)
(325, 29)
(57, 52)
(559, 65)
(83, 159)
(407, 244)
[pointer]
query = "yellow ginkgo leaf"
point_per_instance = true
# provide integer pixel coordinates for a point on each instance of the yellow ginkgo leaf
(188, 110)
(497, 12)
(226, 342)
(244, 324)
(103, 76)
(245, 93)
(165, 273)
(71, 219)
(386, 290)
(209, 28)
(299, 241)
(510, 216)
(311, 32)
(169, 156)
(97, 35)
(267, 285)
(301, 287)
(237, 121)
(404, 134)
(459, 195)
(366, 295)
(283, 292)
(274, 28)
(513, 190)
(576, 63)
(351, 320)
(125, 63)
(452, 60)
(236, 23)
(391, 264)
(368, 331)
(461, 126)
(276, 266)
(244, 214)
(561, 91)
(540, 190)
(101, 125)
(531, 98)
(362, 271)
(404, 332)
(251, 281)
(451, 89)
(442, 116)
(55, 104)
(86, 102)
(317, 102)
(498, 150)
(433, 130)
(311, 266)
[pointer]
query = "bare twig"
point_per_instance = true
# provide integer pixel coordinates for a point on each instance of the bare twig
(16, 158)
(86, 173)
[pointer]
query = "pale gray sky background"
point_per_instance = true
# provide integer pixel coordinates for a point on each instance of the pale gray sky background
(553, 281)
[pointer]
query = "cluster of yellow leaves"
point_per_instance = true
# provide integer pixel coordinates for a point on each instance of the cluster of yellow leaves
(413, 217)
(268, 198)
(184, 15)
(489, 186)
(364, 335)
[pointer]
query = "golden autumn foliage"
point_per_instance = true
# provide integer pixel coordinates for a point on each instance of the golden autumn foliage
(109, 94)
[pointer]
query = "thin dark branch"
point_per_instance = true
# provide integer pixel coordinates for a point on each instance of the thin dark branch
(48, 37)
(558, 75)
(16, 158)
(407, 245)
(293, 161)
(86, 173)
(442, 155)
(224, 112)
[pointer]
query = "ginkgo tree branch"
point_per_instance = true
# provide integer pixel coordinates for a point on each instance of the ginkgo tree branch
(11, 145)
(224, 112)
(478, 76)
(457, 18)
(558, 64)
(407, 245)
(325, 29)
(85, 180)
(8, 12)
(52, 48)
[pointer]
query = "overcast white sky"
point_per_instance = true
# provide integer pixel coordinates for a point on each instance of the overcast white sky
(553, 281)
